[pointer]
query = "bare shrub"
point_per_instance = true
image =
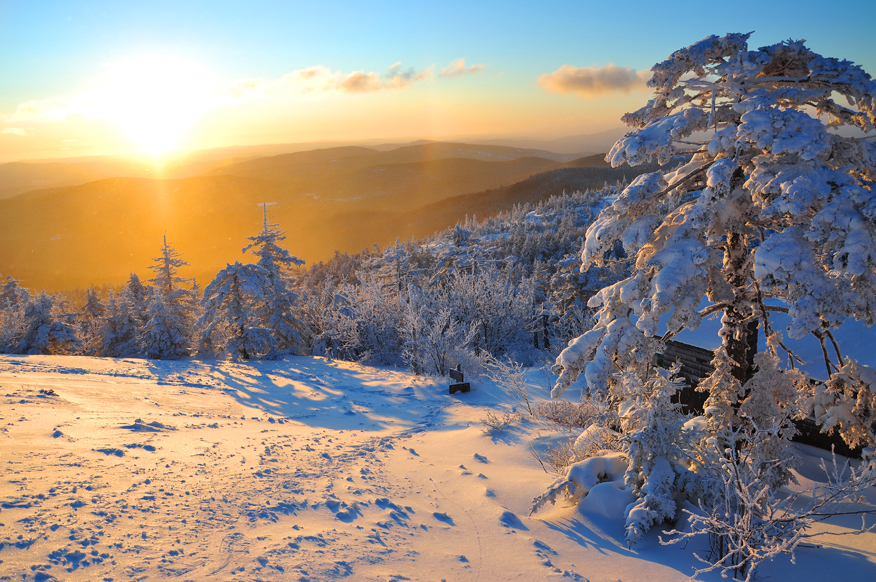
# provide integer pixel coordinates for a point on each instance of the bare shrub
(567, 414)
(511, 378)
(494, 424)
(561, 456)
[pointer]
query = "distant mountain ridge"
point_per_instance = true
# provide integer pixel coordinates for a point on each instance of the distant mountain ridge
(329, 199)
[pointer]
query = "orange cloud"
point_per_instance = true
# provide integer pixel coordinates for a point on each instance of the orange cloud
(594, 81)
(359, 82)
(457, 69)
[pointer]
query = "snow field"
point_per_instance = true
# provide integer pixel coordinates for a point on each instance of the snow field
(303, 469)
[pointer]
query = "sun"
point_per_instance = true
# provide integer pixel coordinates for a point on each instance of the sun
(155, 99)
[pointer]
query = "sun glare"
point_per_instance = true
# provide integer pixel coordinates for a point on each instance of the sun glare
(155, 99)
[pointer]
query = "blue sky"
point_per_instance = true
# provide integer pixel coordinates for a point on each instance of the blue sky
(52, 49)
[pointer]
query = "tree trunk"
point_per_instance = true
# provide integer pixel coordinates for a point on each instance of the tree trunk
(739, 331)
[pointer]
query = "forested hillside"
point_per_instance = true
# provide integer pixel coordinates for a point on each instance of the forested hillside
(342, 199)
(505, 285)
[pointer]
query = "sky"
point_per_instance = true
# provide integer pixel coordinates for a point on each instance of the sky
(103, 77)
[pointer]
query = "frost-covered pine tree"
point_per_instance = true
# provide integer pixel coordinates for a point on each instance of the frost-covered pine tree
(278, 303)
(45, 331)
(229, 322)
(773, 210)
(137, 297)
(771, 206)
(165, 335)
(90, 321)
(13, 300)
(118, 336)
(169, 322)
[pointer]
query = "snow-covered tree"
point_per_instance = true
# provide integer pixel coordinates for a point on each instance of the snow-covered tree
(90, 319)
(45, 331)
(369, 321)
(118, 335)
(229, 322)
(165, 335)
(13, 300)
(653, 441)
(435, 339)
(773, 210)
(169, 321)
(137, 297)
(498, 304)
(277, 307)
(771, 206)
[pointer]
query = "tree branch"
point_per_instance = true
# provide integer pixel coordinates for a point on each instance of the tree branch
(687, 178)
(835, 345)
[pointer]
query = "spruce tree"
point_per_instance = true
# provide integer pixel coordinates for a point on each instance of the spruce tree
(277, 305)
(169, 322)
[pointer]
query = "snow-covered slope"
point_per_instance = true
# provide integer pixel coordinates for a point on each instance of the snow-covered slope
(301, 469)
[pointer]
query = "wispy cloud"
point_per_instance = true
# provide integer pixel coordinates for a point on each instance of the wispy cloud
(398, 78)
(12, 131)
(122, 94)
(458, 69)
(320, 78)
(594, 81)
(52, 109)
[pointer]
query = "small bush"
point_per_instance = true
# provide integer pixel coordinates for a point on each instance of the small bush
(567, 414)
(494, 424)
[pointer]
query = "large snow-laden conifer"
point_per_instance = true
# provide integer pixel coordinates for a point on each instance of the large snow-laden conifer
(772, 211)
(771, 206)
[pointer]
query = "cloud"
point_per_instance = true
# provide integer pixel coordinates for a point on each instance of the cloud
(594, 81)
(397, 78)
(457, 69)
(52, 109)
(12, 131)
(124, 98)
(320, 78)
(359, 82)
(238, 89)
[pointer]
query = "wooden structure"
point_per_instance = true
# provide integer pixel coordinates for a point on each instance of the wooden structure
(458, 377)
(696, 364)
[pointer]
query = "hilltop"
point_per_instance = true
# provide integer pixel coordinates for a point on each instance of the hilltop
(330, 199)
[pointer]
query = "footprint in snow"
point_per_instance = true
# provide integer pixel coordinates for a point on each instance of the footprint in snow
(443, 517)
(543, 547)
(480, 458)
(509, 519)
